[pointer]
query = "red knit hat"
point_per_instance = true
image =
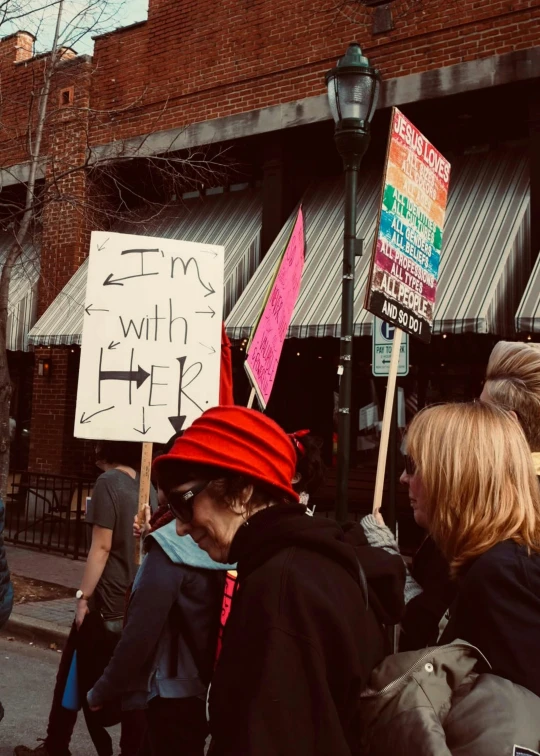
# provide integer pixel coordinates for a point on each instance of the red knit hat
(241, 440)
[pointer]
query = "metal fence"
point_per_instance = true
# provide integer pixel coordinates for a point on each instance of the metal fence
(48, 512)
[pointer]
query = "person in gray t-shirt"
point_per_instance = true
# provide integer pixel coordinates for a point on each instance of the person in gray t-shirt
(114, 505)
(110, 568)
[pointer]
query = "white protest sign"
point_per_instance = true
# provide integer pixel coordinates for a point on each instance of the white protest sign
(151, 343)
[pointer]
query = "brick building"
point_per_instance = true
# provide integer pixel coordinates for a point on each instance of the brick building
(248, 76)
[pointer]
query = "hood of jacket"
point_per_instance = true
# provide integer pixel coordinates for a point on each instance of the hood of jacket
(184, 550)
(443, 701)
(275, 528)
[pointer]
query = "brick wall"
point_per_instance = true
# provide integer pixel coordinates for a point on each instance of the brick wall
(52, 446)
(49, 411)
(195, 60)
(67, 218)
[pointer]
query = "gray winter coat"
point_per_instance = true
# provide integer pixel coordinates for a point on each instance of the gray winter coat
(443, 701)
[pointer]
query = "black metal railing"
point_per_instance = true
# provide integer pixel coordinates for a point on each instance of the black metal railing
(48, 512)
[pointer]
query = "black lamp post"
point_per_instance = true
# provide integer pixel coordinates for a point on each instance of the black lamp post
(353, 91)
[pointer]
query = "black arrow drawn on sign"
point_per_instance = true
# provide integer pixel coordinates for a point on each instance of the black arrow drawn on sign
(102, 246)
(208, 252)
(85, 420)
(206, 347)
(113, 344)
(88, 310)
(145, 430)
(210, 312)
(109, 282)
(178, 421)
(125, 375)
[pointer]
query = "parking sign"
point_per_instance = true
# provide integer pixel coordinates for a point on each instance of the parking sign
(382, 338)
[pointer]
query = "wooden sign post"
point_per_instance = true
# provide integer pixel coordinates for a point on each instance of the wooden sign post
(387, 420)
(144, 494)
(151, 343)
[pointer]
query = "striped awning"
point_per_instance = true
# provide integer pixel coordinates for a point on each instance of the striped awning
(528, 314)
(485, 258)
(23, 292)
(232, 219)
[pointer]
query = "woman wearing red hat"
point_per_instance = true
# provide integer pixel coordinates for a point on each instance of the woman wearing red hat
(300, 641)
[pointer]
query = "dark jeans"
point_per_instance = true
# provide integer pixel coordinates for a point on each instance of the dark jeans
(177, 726)
(94, 649)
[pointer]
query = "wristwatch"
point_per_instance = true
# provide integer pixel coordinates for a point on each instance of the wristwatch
(80, 595)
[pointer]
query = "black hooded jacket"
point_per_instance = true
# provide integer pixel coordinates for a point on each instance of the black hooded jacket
(300, 642)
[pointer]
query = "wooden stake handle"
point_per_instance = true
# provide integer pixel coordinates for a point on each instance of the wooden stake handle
(144, 494)
(387, 419)
(251, 399)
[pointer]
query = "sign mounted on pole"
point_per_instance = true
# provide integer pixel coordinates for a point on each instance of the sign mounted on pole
(405, 261)
(151, 343)
(265, 348)
(382, 341)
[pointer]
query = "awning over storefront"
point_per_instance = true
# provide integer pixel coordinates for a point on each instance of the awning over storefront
(23, 292)
(232, 219)
(528, 314)
(484, 265)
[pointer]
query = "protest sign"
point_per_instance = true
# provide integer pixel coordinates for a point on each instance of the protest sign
(406, 255)
(151, 343)
(404, 269)
(265, 348)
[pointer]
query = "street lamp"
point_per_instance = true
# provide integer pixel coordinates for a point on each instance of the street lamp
(353, 91)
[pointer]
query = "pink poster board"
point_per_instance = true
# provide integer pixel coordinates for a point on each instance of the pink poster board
(265, 348)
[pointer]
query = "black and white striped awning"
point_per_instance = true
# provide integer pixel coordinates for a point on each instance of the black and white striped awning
(528, 314)
(232, 219)
(23, 292)
(485, 260)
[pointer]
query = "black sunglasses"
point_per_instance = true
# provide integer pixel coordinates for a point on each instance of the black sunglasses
(410, 466)
(181, 503)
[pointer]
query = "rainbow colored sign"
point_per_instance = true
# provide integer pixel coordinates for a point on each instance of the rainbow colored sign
(405, 262)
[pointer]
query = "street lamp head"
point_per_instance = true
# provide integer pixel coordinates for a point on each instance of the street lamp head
(353, 90)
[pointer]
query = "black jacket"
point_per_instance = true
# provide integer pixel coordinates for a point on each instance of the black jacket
(423, 613)
(300, 643)
(497, 609)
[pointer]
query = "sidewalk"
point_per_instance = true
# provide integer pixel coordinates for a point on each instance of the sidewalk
(48, 621)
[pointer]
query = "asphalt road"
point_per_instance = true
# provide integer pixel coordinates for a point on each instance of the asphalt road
(27, 675)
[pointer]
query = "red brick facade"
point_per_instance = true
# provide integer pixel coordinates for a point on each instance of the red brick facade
(193, 61)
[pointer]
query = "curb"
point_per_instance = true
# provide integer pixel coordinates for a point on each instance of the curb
(36, 629)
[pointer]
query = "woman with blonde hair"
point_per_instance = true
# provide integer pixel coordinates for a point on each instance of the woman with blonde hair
(472, 485)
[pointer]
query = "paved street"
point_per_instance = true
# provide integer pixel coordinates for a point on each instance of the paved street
(26, 683)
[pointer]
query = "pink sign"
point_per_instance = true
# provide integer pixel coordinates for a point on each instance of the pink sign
(265, 349)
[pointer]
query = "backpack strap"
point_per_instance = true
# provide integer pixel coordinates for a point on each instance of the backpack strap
(363, 584)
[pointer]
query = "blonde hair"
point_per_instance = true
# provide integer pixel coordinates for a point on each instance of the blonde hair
(513, 382)
(477, 474)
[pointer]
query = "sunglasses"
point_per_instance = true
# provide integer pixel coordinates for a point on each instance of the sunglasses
(410, 466)
(181, 503)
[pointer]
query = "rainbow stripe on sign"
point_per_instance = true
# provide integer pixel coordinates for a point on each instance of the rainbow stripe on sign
(407, 252)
